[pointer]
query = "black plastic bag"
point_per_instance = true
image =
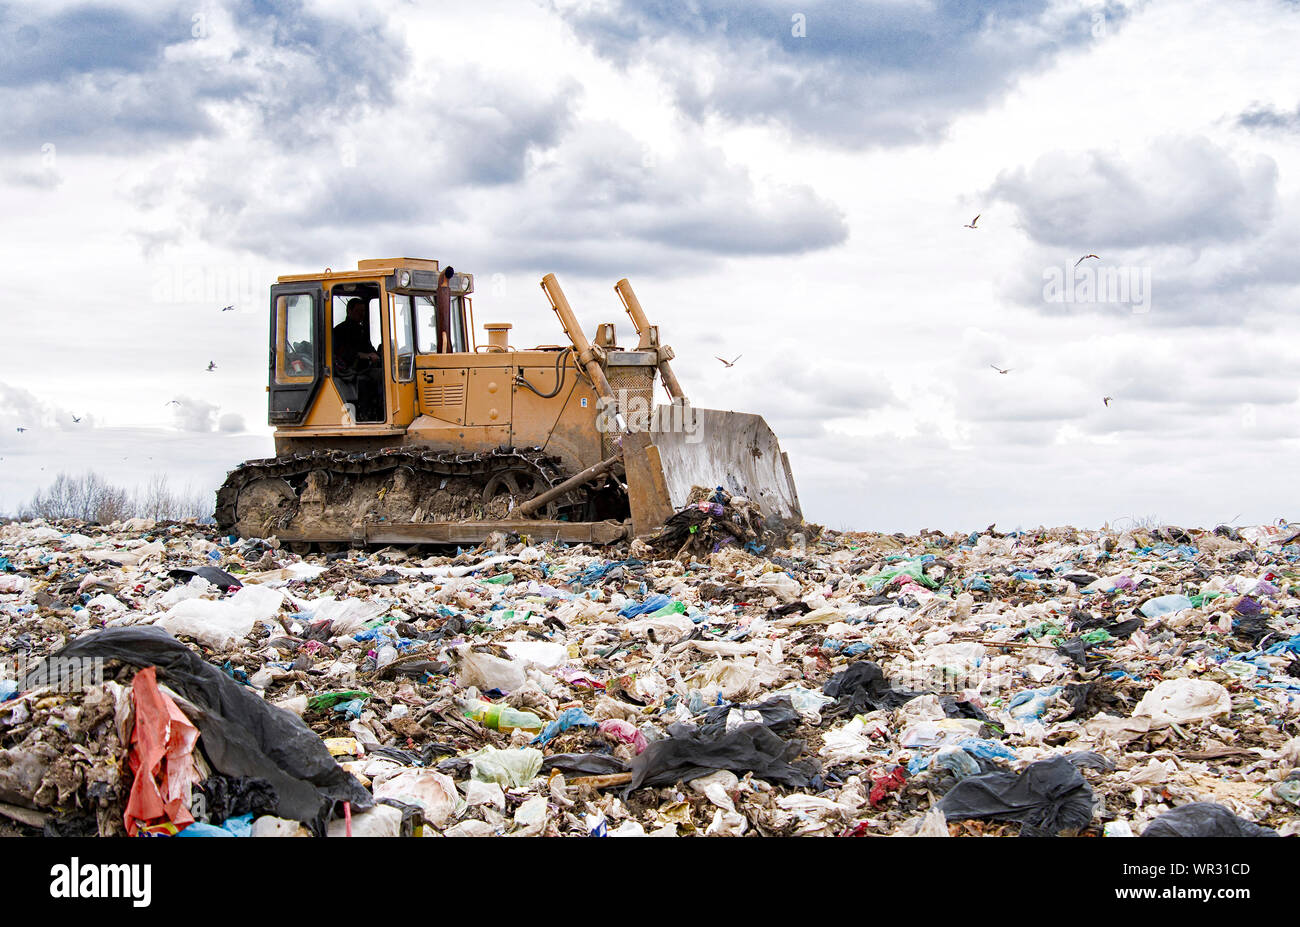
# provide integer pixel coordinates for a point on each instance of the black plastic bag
(219, 578)
(689, 753)
(1204, 819)
(231, 796)
(1252, 628)
(414, 669)
(960, 708)
(1077, 695)
(1046, 798)
(585, 764)
(777, 714)
(241, 734)
(1076, 650)
(862, 687)
(1123, 629)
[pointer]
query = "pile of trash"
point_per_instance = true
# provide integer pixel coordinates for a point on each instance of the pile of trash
(715, 680)
(714, 519)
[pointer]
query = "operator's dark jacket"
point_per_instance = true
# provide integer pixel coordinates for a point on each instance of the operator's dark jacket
(350, 339)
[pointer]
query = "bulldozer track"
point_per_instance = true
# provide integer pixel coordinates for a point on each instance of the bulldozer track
(478, 471)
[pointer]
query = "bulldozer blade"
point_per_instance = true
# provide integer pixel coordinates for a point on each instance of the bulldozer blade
(688, 447)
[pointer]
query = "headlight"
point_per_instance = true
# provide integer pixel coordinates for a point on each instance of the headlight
(404, 278)
(462, 284)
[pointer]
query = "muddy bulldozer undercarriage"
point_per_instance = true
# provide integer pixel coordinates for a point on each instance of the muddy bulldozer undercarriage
(407, 495)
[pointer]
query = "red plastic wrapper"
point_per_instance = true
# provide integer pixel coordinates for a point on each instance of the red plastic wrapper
(162, 747)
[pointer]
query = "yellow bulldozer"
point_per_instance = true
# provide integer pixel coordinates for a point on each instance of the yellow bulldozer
(394, 425)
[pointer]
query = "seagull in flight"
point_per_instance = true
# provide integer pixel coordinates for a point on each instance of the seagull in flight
(1084, 258)
(227, 308)
(1107, 399)
(212, 365)
(1000, 369)
(75, 419)
(172, 402)
(21, 429)
(729, 363)
(973, 221)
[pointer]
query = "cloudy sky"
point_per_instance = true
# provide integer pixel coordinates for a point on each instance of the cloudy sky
(788, 181)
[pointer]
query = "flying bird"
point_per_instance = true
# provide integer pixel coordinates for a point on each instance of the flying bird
(729, 363)
(172, 402)
(999, 369)
(21, 429)
(212, 365)
(1084, 258)
(973, 221)
(75, 419)
(226, 308)
(1107, 399)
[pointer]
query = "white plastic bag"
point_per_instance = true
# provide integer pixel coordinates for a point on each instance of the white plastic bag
(221, 624)
(433, 791)
(1178, 701)
(484, 671)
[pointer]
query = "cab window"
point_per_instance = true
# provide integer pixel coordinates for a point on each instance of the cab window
(295, 352)
(435, 338)
(403, 337)
(370, 320)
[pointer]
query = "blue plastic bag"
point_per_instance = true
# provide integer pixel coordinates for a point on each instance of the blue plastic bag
(650, 604)
(569, 718)
(1030, 704)
(199, 829)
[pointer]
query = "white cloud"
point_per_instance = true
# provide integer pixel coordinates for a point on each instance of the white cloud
(1176, 191)
(194, 414)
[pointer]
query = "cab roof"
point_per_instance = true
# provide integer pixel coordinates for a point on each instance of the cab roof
(368, 269)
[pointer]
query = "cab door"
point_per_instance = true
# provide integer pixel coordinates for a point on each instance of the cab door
(361, 386)
(297, 360)
(401, 359)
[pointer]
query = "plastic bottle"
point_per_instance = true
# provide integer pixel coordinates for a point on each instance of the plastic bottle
(502, 718)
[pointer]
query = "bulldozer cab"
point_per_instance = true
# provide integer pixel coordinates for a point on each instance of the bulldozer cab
(344, 345)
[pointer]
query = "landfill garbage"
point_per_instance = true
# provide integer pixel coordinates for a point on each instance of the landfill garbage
(713, 520)
(241, 734)
(727, 680)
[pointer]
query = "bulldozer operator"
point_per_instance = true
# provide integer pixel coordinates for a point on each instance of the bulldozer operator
(355, 359)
